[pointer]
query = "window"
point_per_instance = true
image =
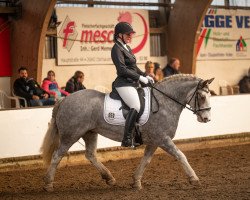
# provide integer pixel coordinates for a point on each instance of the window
(244, 3)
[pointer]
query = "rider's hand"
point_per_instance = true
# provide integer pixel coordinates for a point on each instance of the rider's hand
(143, 80)
(45, 96)
(150, 79)
(35, 97)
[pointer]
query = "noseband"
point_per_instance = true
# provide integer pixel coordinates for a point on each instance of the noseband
(195, 95)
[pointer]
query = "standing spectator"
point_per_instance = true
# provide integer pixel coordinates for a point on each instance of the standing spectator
(149, 69)
(50, 86)
(172, 67)
(158, 72)
(75, 82)
(29, 89)
(244, 83)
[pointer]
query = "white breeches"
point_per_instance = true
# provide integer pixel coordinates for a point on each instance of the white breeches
(130, 96)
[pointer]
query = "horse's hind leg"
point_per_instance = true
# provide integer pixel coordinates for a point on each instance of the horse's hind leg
(170, 147)
(148, 154)
(90, 139)
(56, 158)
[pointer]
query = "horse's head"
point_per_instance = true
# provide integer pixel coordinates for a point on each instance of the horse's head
(199, 101)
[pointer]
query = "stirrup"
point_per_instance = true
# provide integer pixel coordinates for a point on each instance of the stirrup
(129, 143)
(135, 144)
(126, 142)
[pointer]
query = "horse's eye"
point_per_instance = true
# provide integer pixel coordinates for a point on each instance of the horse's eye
(203, 98)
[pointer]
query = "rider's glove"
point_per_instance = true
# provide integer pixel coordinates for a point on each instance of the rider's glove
(143, 80)
(150, 79)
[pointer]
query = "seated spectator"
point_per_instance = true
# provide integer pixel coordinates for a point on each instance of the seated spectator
(29, 89)
(50, 86)
(244, 83)
(172, 67)
(75, 82)
(158, 72)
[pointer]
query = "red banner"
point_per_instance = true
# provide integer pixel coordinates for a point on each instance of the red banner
(5, 65)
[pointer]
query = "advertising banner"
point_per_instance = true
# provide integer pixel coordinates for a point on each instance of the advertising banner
(85, 35)
(225, 34)
(5, 60)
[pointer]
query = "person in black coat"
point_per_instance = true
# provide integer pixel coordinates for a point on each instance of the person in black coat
(244, 84)
(128, 77)
(29, 89)
(75, 82)
(172, 67)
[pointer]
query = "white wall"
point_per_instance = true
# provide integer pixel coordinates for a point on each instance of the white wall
(230, 71)
(22, 131)
(95, 75)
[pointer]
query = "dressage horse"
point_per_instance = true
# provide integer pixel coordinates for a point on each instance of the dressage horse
(80, 115)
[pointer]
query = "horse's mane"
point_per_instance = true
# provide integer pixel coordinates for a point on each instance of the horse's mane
(180, 77)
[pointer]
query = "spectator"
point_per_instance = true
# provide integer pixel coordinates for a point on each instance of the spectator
(29, 89)
(149, 69)
(50, 86)
(244, 83)
(172, 67)
(75, 82)
(158, 72)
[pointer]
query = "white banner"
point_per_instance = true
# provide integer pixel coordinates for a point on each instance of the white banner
(225, 34)
(85, 35)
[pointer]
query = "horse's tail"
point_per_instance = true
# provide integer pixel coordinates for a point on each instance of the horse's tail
(51, 139)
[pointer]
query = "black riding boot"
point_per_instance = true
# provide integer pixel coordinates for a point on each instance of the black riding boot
(129, 127)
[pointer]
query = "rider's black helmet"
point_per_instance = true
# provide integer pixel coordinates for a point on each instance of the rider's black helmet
(123, 28)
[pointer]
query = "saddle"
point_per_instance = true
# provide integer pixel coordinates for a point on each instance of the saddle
(125, 109)
(115, 110)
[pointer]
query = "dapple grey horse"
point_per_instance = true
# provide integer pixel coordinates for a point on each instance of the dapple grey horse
(80, 115)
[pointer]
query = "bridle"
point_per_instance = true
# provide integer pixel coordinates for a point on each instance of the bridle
(197, 108)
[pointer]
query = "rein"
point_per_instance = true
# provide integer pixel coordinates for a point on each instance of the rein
(195, 110)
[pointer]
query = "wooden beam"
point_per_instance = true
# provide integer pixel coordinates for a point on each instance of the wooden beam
(185, 19)
(160, 30)
(28, 37)
(50, 32)
(114, 3)
(8, 10)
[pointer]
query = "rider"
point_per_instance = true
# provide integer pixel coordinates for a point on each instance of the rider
(128, 77)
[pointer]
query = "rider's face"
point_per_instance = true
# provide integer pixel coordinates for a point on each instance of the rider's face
(127, 37)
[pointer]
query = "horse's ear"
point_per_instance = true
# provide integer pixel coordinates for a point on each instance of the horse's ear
(207, 82)
(210, 80)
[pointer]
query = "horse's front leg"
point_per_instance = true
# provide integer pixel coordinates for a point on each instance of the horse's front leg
(170, 147)
(148, 154)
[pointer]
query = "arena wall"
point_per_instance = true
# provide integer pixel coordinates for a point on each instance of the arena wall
(227, 72)
(22, 130)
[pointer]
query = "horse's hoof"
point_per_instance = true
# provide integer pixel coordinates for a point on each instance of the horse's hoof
(48, 187)
(111, 182)
(194, 181)
(47, 180)
(137, 186)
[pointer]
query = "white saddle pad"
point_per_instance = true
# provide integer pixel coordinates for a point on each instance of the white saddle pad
(113, 114)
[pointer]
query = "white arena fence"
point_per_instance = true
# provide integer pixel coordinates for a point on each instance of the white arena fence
(22, 130)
